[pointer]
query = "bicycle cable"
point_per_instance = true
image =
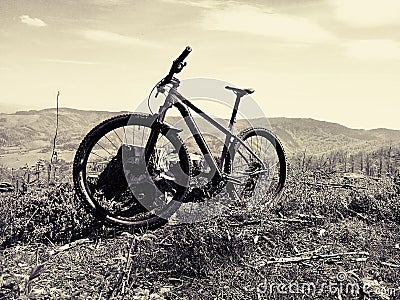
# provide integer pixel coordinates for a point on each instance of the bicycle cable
(151, 92)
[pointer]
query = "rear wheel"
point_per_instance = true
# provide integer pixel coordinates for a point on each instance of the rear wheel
(118, 185)
(256, 184)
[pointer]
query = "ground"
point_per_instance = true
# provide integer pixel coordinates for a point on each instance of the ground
(330, 236)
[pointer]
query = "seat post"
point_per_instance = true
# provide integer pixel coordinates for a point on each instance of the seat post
(239, 94)
(230, 126)
(235, 110)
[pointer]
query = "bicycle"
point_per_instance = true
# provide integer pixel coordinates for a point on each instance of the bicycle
(135, 170)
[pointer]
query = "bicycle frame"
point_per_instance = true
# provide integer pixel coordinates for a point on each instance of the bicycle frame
(174, 98)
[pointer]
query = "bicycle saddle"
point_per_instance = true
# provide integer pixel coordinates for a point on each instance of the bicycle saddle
(240, 91)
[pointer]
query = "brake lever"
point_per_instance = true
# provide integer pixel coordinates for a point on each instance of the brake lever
(160, 89)
(180, 66)
(175, 69)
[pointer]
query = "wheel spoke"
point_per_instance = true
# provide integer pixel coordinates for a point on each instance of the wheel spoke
(111, 142)
(118, 135)
(125, 197)
(261, 184)
(126, 140)
(241, 154)
(98, 155)
(104, 149)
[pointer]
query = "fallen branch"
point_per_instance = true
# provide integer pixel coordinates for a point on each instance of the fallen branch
(337, 185)
(246, 223)
(390, 264)
(69, 246)
(289, 220)
(314, 256)
(258, 222)
(310, 217)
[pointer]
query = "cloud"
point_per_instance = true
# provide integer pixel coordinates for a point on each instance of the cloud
(107, 3)
(200, 4)
(373, 49)
(32, 21)
(367, 13)
(253, 20)
(76, 62)
(113, 38)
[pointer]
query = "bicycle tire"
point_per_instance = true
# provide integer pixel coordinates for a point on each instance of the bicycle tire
(82, 185)
(272, 192)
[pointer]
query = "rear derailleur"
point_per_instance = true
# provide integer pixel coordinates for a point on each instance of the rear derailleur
(251, 181)
(207, 191)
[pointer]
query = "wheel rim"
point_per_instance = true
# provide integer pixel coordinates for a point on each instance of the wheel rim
(114, 193)
(260, 186)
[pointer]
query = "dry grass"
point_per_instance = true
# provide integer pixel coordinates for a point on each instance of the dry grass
(52, 249)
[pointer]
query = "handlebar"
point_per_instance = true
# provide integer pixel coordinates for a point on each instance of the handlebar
(177, 66)
(184, 54)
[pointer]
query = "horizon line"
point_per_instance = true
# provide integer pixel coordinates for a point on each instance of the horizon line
(17, 112)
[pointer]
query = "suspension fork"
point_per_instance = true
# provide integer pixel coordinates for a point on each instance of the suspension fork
(151, 144)
(156, 128)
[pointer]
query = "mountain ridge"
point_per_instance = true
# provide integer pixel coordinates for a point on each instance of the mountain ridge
(27, 135)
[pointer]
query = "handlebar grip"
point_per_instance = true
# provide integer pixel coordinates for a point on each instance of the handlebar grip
(177, 66)
(184, 54)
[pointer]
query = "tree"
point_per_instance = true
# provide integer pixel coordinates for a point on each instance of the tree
(352, 163)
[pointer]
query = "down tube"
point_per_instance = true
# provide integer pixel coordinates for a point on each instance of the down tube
(198, 137)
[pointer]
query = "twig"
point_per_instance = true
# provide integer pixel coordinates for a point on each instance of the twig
(303, 216)
(70, 246)
(390, 264)
(311, 257)
(283, 219)
(128, 267)
(32, 215)
(246, 223)
(337, 185)
(51, 242)
(289, 220)
(357, 214)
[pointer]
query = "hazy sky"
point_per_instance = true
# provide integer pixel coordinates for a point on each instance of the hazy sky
(333, 60)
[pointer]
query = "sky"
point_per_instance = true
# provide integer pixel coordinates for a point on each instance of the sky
(331, 60)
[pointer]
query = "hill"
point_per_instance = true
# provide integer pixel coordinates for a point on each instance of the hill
(27, 136)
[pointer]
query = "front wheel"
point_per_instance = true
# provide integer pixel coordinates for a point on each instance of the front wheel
(257, 181)
(116, 182)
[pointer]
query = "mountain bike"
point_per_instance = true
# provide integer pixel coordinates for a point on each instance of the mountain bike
(135, 170)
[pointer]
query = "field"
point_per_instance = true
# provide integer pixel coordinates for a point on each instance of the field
(331, 236)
